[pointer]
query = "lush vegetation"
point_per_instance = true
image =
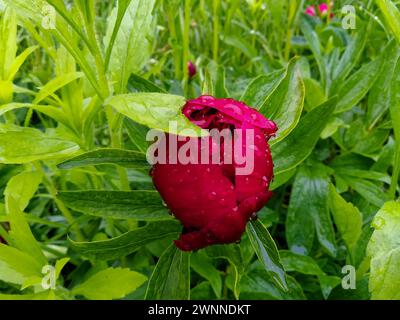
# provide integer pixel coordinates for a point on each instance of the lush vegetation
(82, 81)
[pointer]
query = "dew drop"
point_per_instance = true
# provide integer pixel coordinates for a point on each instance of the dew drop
(212, 195)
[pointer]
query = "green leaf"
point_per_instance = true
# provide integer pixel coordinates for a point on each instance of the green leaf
(257, 284)
(18, 62)
(384, 250)
(202, 264)
(44, 295)
(56, 84)
(293, 150)
(23, 145)
(124, 158)
(138, 204)
(20, 232)
(111, 283)
(392, 16)
(17, 266)
(143, 85)
(313, 41)
(395, 116)
(131, 48)
(126, 243)
(22, 187)
(309, 211)
(154, 110)
(242, 45)
(299, 263)
(370, 191)
(379, 96)
(137, 133)
(350, 57)
(267, 252)
(50, 111)
(233, 254)
(354, 89)
(261, 87)
(315, 94)
(347, 217)
(285, 104)
(328, 283)
(171, 276)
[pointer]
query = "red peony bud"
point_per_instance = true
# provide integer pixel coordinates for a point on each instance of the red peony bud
(310, 11)
(192, 71)
(213, 201)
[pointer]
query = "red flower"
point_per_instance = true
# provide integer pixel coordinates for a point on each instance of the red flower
(310, 11)
(212, 201)
(323, 9)
(192, 71)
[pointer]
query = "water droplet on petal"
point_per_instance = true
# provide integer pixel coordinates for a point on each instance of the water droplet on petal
(212, 195)
(234, 108)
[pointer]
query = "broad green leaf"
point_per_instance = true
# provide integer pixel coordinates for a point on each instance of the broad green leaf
(369, 190)
(126, 243)
(22, 187)
(111, 283)
(23, 145)
(138, 204)
(354, 89)
(293, 150)
(392, 16)
(171, 277)
(347, 217)
(56, 84)
(267, 252)
(20, 231)
(384, 250)
(131, 48)
(204, 267)
(299, 263)
(124, 158)
(379, 96)
(261, 87)
(154, 110)
(257, 284)
(17, 266)
(285, 104)
(233, 254)
(309, 211)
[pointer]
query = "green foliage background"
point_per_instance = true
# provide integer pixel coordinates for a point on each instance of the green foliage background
(82, 81)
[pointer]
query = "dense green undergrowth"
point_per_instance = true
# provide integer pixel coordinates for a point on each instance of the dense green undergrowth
(82, 81)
